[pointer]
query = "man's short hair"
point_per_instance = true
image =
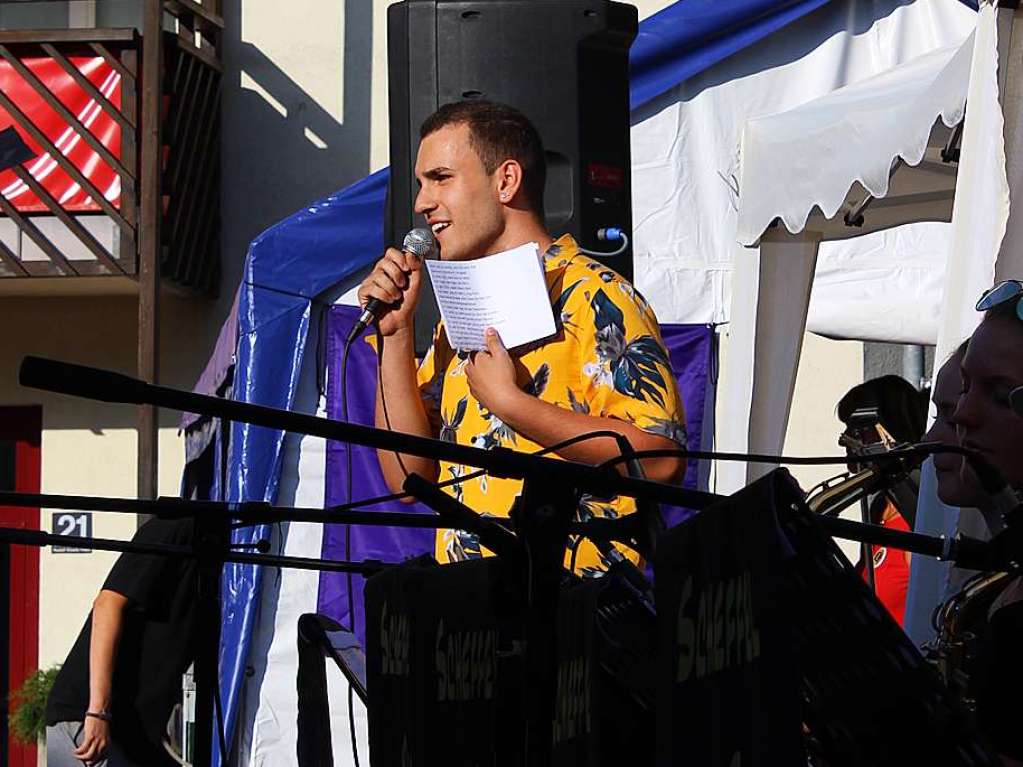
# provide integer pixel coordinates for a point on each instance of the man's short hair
(498, 132)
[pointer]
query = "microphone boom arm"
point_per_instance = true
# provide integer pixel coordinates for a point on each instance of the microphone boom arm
(94, 383)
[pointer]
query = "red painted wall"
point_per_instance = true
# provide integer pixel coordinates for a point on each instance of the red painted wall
(23, 425)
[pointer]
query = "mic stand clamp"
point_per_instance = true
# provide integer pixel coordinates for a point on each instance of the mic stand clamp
(541, 516)
(211, 543)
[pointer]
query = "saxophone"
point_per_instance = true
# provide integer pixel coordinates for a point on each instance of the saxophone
(958, 623)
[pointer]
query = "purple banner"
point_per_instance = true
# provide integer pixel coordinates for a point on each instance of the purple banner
(689, 347)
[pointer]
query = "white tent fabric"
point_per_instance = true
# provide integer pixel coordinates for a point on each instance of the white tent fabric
(856, 279)
(851, 139)
(812, 155)
(979, 220)
(1010, 258)
(686, 158)
(808, 158)
(982, 195)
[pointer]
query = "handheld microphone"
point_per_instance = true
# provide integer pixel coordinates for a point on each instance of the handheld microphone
(419, 242)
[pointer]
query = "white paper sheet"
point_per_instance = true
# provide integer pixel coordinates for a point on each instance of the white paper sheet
(505, 291)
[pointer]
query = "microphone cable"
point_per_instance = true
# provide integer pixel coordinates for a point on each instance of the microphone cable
(348, 542)
(609, 233)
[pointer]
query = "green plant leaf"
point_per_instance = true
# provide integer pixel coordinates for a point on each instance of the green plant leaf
(28, 705)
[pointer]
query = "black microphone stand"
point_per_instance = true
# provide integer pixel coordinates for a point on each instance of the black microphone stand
(211, 550)
(542, 518)
(962, 550)
(1003, 553)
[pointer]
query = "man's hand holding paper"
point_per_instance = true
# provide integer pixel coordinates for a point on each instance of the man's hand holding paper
(505, 291)
(493, 376)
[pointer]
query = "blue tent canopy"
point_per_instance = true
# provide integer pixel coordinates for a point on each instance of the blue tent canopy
(296, 260)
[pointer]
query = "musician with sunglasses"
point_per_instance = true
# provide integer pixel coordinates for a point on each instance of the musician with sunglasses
(989, 421)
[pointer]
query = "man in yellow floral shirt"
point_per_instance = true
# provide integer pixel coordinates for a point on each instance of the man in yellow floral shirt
(481, 173)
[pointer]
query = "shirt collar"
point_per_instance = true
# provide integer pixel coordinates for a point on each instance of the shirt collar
(564, 247)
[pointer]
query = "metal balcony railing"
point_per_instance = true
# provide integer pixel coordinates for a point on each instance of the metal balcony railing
(75, 97)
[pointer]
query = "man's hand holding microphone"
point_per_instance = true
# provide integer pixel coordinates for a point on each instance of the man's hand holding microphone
(390, 293)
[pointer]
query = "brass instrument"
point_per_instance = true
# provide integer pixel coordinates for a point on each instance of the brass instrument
(833, 495)
(958, 623)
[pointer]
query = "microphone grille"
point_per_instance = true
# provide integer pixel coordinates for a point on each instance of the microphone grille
(420, 241)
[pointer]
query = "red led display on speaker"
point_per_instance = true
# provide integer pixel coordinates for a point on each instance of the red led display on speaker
(605, 176)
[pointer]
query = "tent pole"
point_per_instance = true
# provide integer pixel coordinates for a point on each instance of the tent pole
(770, 299)
(1010, 75)
(787, 263)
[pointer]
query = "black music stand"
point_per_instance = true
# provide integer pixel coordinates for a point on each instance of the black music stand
(766, 626)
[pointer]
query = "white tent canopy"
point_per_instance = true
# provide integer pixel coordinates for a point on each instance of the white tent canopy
(687, 165)
(824, 156)
(825, 170)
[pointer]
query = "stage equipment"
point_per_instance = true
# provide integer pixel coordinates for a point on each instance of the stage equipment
(449, 677)
(529, 572)
(839, 492)
(563, 63)
(319, 638)
(541, 517)
(1003, 553)
(765, 627)
(108, 386)
(602, 651)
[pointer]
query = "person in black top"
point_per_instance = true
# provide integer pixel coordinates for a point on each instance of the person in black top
(112, 699)
(992, 369)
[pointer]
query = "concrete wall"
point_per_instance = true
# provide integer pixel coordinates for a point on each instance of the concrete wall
(89, 448)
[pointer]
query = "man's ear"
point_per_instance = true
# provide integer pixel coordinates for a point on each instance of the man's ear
(508, 178)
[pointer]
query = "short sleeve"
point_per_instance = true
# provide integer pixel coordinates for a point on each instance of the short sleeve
(140, 577)
(430, 376)
(626, 373)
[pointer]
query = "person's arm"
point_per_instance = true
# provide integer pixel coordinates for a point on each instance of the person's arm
(396, 281)
(107, 619)
(491, 375)
(405, 410)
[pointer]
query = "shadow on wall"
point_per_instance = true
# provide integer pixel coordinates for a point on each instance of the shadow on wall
(281, 149)
(100, 331)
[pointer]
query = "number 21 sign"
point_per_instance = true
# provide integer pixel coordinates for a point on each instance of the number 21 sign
(76, 523)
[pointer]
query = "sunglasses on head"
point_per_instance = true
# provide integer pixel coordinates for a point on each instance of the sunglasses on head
(1003, 292)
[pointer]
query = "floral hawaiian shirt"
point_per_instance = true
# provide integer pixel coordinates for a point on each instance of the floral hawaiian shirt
(606, 359)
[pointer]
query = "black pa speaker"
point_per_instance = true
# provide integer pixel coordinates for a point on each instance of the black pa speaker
(563, 63)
